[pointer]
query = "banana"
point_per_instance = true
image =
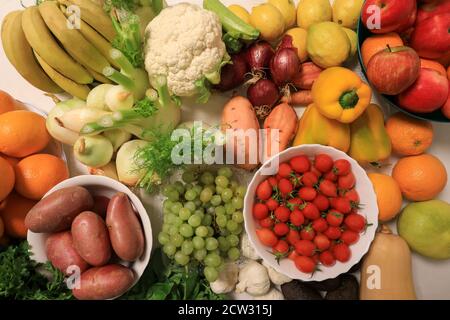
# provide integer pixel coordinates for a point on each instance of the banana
(71, 39)
(99, 77)
(21, 56)
(42, 41)
(95, 16)
(77, 90)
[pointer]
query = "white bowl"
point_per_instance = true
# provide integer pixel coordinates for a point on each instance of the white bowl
(100, 186)
(369, 210)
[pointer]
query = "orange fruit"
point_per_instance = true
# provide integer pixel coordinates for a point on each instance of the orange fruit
(8, 103)
(431, 64)
(421, 177)
(376, 43)
(409, 136)
(389, 196)
(11, 160)
(7, 178)
(14, 214)
(22, 133)
(37, 174)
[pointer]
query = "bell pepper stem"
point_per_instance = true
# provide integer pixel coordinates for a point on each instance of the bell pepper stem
(349, 99)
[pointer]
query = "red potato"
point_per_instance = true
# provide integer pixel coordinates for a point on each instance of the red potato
(62, 254)
(283, 118)
(100, 205)
(125, 230)
(56, 212)
(238, 115)
(105, 282)
(307, 75)
(91, 239)
(299, 98)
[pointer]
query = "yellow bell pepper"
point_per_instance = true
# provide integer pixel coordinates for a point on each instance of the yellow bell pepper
(340, 94)
(370, 143)
(314, 128)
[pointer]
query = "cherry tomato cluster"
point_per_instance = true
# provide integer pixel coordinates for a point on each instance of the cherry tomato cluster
(308, 212)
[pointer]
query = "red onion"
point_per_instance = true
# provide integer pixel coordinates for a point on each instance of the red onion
(258, 55)
(233, 75)
(263, 93)
(285, 65)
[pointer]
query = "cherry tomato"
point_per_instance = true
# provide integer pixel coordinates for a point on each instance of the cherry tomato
(281, 229)
(282, 213)
(266, 222)
(292, 255)
(349, 237)
(264, 190)
(347, 182)
(323, 162)
(305, 248)
(322, 242)
(355, 222)
(353, 196)
(293, 236)
(294, 203)
(300, 164)
(341, 167)
(310, 211)
(282, 247)
(285, 186)
(310, 179)
(307, 193)
(297, 218)
(328, 188)
(327, 259)
(305, 264)
(341, 204)
(333, 233)
(267, 237)
(331, 176)
(320, 225)
(260, 211)
(285, 170)
(335, 218)
(321, 202)
(273, 182)
(307, 233)
(272, 204)
(342, 252)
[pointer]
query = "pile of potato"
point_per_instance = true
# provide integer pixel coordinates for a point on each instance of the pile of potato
(90, 234)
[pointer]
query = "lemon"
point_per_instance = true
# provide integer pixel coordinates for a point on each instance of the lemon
(268, 20)
(313, 11)
(240, 12)
(287, 9)
(346, 12)
(327, 44)
(299, 41)
(353, 37)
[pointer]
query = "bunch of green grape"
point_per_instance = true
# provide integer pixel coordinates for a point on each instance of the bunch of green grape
(203, 219)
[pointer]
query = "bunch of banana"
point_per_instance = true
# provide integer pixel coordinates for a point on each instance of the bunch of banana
(53, 54)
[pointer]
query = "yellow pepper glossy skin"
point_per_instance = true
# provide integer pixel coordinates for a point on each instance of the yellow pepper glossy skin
(370, 143)
(340, 94)
(314, 128)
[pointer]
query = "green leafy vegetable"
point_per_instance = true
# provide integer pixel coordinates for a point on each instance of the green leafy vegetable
(21, 280)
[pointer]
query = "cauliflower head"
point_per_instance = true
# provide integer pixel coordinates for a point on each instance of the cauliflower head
(184, 43)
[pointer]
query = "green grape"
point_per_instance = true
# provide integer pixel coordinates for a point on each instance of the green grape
(211, 210)
(173, 230)
(237, 202)
(167, 204)
(207, 220)
(198, 242)
(219, 189)
(200, 212)
(177, 240)
(207, 178)
(229, 208)
(181, 258)
(213, 260)
(200, 254)
(165, 228)
(216, 200)
(186, 230)
(221, 220)
(188, 176)
(184, 214)
(238, 230)
(198, 203)
(163, 238)
(179, 187)
(233, 240)
(197, 188)
(167, 190)
(234, 185)
(211, 274)
(233, 254)
(240, 191)
(238, 217)
(166, 211)
(177, 221)
(225, 171)
(211, 187)
(224, 244)
(188, 186)
(227, 194)
(220, 210)
(169, 249)
(195, 220)
(201, 231)
(231, 225)
(224, 232)
(176, 207)
(222, 181)
(174, 195)
(210, 231)
(169, 218)
(190, 205)
(187, 247)
(206, 195)
(190, 195)
(211, 244)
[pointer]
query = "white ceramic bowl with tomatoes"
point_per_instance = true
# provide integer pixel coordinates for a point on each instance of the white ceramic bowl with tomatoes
(316, 217)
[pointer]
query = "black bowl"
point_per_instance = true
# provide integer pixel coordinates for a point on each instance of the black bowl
(437, 116)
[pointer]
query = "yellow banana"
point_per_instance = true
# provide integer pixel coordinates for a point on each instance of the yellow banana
(42, 41)
(71, 39)
(95, 16)
(99, 77)
(77, 90)
(21, 56)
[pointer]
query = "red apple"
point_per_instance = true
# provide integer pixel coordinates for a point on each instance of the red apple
(393, 14)
(427, 94)
(427, 10)
(409, 24)
(446, 107)
(393, 70)
(431, 37)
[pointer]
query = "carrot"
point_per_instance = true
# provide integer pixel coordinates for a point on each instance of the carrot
(299, 98)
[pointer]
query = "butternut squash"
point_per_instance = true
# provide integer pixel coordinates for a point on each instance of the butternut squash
(386, 270)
